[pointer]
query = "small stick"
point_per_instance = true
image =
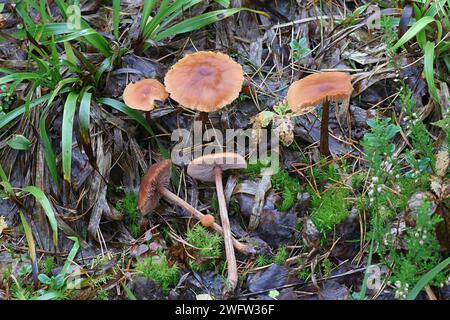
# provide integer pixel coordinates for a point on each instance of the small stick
(430, 293)
(229, 250)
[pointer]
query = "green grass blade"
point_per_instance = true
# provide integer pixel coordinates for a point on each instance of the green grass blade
(49, 154)
(22, 76)
(412, 32)
(426, 278)
(71, 256)
(31, 246)
(67, 131)
(39, 195)
(429, 70)
(5, 183)
(149, 5)
(84, 114)
(128, 292)
(122, 107)
(116, 18)
(223, 3)
(13, 114)
(198, 22)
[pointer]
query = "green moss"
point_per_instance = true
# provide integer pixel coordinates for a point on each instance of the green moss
(47, 265)
(209, 248)
(158, 269)
(330, 209)
(262, 260)
(281, 256)
(288, 188)
(128, 206)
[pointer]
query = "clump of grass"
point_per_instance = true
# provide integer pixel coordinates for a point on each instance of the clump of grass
(158, 269)
(128, 206)
(209, 248)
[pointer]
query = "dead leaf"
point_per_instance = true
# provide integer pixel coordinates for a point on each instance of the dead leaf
(3, 224)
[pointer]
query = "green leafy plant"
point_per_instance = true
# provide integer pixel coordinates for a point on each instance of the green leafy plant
(299, 48)
(422, 253)
(54, 287)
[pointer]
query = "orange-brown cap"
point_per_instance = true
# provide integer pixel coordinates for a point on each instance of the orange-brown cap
(303, 95)
(142, 94)
(205, 81)
(202, 168)
(207, 220)
(157, 176)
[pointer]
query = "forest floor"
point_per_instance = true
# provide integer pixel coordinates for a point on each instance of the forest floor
(371, 221)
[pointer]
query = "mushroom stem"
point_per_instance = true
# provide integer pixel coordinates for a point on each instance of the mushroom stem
(229, 250)
(324, 148)
(242, 248)
(204, 118)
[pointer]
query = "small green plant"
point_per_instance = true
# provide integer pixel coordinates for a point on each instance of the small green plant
(47, 265)
(422, 253)
(102, 295)
(299, 48)
(158, 269)
(208, 248)
(388, 24)
(281, 256)
(128, 206)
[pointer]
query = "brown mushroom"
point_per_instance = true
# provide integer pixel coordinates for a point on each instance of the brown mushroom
(210, 168)
(154, 186)
(141, 95)
(204, 81)
(303, 95)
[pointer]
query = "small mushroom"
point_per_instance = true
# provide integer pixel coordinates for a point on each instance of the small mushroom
(207, 220)
(154, 186)
(303, 95)
(204, 81)
(144, 94)
(210, 168)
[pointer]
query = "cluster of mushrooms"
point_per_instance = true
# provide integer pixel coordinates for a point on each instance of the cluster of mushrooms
(208, 81)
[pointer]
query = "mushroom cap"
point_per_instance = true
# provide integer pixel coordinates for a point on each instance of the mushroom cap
(157, 176)
(142, 94)
(202, 168)
(205, 81)
(303, 95)
(207, 220)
